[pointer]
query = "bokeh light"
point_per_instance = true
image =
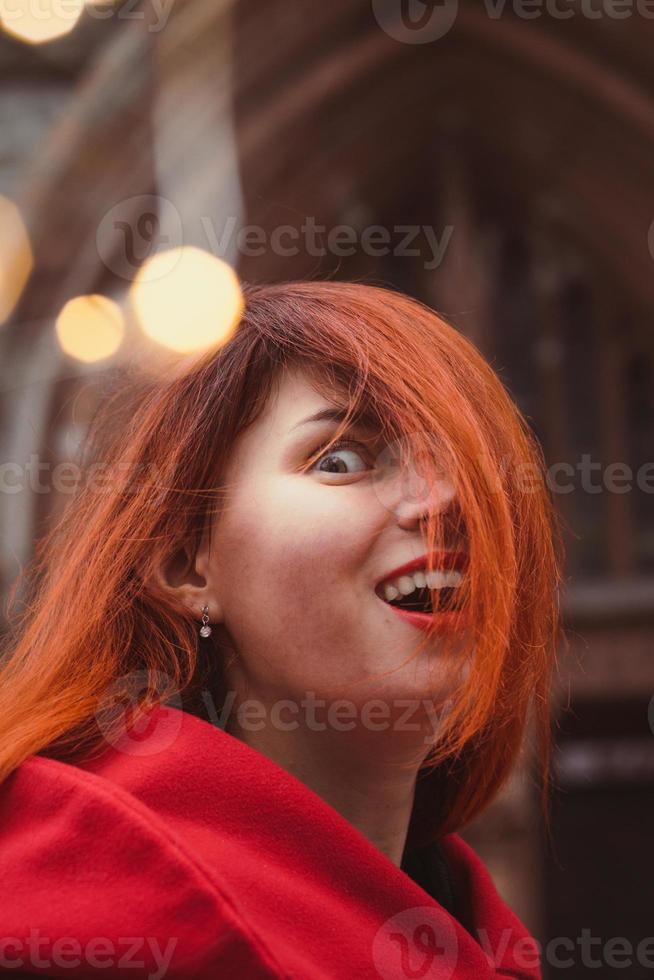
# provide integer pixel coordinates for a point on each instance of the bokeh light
(90, 328)
(187, 299)
(39, 21)
(15, 257)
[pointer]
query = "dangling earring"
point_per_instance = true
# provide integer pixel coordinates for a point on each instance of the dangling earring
(205, 629)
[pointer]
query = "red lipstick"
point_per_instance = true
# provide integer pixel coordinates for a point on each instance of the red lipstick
(430, 622)
(448, 560)
(434, 622)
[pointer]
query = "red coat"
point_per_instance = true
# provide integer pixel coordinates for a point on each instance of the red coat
(195, 856)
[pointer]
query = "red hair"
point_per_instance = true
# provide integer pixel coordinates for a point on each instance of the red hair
(94, 617)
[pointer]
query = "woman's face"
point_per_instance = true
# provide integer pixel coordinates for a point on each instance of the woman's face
(295, 557)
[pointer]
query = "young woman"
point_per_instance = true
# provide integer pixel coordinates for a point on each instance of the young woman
(284, 643)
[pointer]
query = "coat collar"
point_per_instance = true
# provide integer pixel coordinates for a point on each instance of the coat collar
(306, 879)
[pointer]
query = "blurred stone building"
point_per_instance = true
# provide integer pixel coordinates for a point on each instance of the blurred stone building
(502, 174)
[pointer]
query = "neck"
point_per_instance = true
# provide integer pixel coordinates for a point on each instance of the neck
(371, 785)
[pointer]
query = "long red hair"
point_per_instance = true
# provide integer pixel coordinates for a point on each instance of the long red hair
(94, 617)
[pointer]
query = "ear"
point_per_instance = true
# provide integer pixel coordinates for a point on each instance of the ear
(188, 578)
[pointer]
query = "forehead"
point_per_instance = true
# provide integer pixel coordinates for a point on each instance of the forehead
(295, 394)
(293, 397)
(302, 397)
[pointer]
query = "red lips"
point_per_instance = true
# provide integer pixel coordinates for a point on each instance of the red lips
(435, 622)
(447, 560)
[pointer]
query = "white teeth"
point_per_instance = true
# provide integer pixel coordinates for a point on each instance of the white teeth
(443, 580)
(406, 584)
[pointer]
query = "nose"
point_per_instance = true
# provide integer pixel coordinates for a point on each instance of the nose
(417, 500)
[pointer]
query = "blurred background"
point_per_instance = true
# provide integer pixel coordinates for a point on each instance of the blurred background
(492, 159)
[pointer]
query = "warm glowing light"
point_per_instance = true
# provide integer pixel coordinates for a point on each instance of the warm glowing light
(187, 299)
(39, 21)
(15, 257)
(90, 328)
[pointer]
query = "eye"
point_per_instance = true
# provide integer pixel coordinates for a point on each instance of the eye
(342, 446)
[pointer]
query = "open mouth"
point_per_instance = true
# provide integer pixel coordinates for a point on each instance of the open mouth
(412, 590)
(420, 600)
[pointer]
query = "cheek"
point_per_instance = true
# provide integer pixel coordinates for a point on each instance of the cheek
(294, 559)
(306, 539)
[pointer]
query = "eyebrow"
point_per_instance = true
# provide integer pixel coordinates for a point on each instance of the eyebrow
(361, 420)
